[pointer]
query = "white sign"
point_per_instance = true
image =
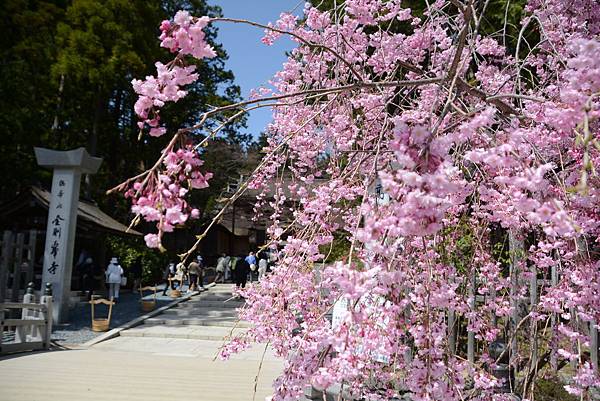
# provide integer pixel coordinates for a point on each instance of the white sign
(370, 304)
(340, 311)
(60, 233)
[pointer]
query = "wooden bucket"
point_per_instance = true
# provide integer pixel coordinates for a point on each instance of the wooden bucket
(148, 306)
(100, 324)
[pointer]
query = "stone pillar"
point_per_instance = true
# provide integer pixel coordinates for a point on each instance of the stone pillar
(47, 300)
(62, 219)
(23, 333)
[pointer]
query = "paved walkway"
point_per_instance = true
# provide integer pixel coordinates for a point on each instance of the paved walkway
(169, 357)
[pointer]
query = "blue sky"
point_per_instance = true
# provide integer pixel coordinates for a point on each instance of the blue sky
(252, 62)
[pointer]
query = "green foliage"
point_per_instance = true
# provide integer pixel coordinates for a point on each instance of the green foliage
(500, 247)
(338, 249)
(504, 15)
(129, 249)
(552, 390)
(458, 245)
(65, 79)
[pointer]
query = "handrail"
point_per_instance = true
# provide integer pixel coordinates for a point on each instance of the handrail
(102, 301)
(17, 305)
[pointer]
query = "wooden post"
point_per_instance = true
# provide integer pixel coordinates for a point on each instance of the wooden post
(7, 248)
(452, 331)
(16, 283)
(533, 299)
(232, 236)
(554, 318)
(470, 334)
(46, 299)
(29, 277)
(516, 250)
(594, 345)
(494, 315)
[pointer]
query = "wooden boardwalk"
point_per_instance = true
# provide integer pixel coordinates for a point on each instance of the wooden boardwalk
(156, 361)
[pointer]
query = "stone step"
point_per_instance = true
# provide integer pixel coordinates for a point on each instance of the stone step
(201, 312)
(210, 304)
(174, 320)
(219, 287)
(208, 296)
(213, 321)
(191, 331)
(215, 295)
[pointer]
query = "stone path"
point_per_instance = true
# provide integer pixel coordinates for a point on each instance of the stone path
(170, 356)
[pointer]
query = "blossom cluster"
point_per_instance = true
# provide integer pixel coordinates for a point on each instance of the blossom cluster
(161, 198)
(184, 36)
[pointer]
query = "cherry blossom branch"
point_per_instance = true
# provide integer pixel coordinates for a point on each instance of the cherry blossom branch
(294, 35)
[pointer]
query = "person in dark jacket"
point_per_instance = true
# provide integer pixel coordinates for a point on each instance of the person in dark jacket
(87, 277)
(136, 272)
(168, 273)
(240, 274)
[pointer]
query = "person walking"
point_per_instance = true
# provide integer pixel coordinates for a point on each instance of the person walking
(222, 264)
(167, 274)
(194, 272)
(113, 275)
(241, 272)
(200, 262)
(262, 266)
(136, 272)
(233, 260)
(251, 261)
(180, 273)
(87, 271)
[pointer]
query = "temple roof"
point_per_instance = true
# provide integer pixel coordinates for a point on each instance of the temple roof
(87, 213)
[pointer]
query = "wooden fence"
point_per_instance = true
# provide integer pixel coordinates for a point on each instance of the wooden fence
(520, 341)
(521, 348)
(17, 259)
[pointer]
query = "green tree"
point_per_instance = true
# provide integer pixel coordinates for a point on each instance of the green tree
(27, 92)
(66, 82)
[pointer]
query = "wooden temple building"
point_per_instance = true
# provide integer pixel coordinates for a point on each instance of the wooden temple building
(23, 225)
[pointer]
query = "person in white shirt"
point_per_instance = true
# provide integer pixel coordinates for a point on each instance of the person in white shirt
(180, 273)
(222, 268)
(113, 275)
(262, 266)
